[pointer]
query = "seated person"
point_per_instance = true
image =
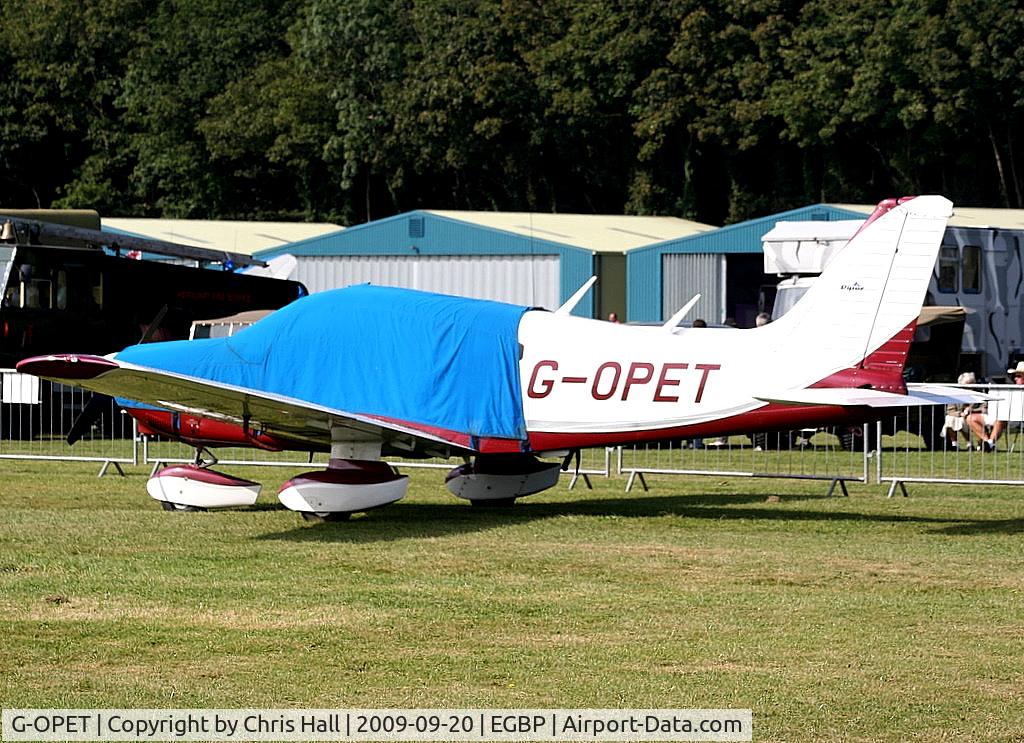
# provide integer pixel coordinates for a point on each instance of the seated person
(953, 425)
(965, 419)
(1010, 411)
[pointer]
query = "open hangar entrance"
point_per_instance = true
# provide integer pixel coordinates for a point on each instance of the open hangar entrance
(730, 285)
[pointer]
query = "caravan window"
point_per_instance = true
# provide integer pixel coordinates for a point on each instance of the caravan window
(972, 269)
(949, 264)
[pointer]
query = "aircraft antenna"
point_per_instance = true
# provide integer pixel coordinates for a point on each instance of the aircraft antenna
(533, 264)
(672, 322)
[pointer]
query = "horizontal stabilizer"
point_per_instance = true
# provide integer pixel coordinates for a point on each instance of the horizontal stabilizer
(925, 394)
(941, 394)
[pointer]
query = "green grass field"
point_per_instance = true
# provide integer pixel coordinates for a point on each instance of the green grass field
(846, 619)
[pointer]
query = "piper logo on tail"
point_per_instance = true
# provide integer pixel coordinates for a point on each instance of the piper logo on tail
(854, 287)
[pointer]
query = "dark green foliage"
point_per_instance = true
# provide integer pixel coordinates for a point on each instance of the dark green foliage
(357, 109)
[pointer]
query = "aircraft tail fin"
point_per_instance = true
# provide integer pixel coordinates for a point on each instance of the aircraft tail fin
(859, 317)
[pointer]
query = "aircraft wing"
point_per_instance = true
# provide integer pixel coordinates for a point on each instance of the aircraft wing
(922, 394)
(287, 418)
(420, 372)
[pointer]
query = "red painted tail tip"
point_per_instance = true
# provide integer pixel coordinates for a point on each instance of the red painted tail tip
(66, 366)
(884, 207)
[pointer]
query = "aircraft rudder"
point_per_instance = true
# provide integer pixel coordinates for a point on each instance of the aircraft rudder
(861, 312)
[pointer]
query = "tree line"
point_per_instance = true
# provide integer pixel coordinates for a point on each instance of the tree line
(348, 110)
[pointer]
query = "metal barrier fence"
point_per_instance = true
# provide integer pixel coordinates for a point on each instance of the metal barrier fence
(36, 416)
(918, 445)
(804, 455)
(950, 445)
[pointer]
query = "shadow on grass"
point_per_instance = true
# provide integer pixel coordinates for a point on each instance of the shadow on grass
(265, 506)
(416, 520)
(976, 528)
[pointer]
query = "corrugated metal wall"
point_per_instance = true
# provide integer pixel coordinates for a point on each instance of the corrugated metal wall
(519, 279)
(686, 275)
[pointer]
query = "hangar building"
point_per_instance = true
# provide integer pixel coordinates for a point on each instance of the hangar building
(725, 266)
(525, 258)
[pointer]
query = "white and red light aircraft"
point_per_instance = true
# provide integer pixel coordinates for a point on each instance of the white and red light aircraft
(370, 371)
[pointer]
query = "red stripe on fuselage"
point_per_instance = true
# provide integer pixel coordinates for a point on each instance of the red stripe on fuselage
(771, 417)
(880, 370)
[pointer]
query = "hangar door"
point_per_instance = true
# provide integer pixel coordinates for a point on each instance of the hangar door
(531, 280)
(684, 275)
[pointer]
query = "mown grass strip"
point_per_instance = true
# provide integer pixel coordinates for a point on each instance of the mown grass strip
(860, 618)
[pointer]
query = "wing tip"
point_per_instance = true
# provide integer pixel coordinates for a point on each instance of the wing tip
(66, 366)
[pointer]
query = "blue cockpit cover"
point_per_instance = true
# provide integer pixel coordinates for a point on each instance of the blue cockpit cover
(421, 358)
